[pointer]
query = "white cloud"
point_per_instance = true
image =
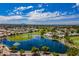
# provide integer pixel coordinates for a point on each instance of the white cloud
(15, 13)
(23, 8)
(18, 10)
(76, 5)
(17, 19)
(70, 17)
(5, 18)
(29, 7)
(71, 22)
(38, 15)
(40, 5)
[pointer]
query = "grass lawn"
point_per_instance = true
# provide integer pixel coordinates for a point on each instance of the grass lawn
(20, 37)
(75, 40)
(36, 33)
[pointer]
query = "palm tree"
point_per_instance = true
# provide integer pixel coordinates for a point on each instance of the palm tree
(55, 54)
(45, 50)
(13, 49)
(67, 38)
(21, 52)
(35, 51)
(42, 33)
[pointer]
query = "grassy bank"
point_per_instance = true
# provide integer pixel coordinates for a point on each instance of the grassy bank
(75, 40)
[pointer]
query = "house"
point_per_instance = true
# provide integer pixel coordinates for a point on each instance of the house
(73, 34)
(1, 34)
(49, 34)
(60, 34)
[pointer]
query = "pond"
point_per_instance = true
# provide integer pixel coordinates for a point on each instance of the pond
(38, 42)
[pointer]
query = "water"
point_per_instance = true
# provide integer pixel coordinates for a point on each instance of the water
(38, 42)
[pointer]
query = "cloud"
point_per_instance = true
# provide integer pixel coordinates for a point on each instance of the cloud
(38, 15)
(18, 10)
(17, 19)
(56, 22)
(41, 5)
(15, 13)
(29, 7)
(76, 5)
(4, 18)
(23, 8)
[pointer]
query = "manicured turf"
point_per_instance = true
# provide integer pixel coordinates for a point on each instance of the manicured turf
(36, 33)
(75, 40)
(20, 37)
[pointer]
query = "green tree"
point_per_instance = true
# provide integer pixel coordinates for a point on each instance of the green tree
(78, 31)
(21, 52)
(55, 54)
(66, 34)
(13, 49)
(55, 36)
(72, 31)
(35, 51)
(42, 33)
(45, 49)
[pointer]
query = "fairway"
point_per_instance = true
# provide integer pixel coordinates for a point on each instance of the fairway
(19, 37)
(75, 40)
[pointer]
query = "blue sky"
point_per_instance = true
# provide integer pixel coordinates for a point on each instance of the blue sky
(39, 13)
